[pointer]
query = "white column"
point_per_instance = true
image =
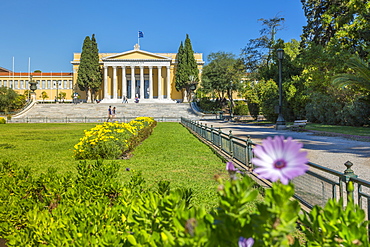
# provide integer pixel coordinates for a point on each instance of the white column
(150, 82)
(160, 94)
(115, 86)
(141, 82)
(106, 95)
(168, 83)
(124, 82)
(132, 82)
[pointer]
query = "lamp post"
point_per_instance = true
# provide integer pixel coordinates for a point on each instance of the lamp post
(192, 88)
(33, 87)
(56, 83)
(280, 122)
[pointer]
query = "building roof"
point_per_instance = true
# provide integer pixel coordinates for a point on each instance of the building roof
(35, 74)
(4, 70)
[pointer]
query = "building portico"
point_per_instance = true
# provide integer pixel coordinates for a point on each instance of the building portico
(137, 73)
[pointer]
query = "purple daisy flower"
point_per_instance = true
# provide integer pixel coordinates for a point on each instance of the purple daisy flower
(231, 170)
(279, 159)
(243, 242)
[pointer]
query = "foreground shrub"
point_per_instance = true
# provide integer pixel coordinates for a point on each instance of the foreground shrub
(241, 108)
(112, 140)
(2, 120)
(94, 209)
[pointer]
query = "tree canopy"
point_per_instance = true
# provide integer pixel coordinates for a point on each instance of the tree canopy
(187, 72)
(89, 78)
(223, 74)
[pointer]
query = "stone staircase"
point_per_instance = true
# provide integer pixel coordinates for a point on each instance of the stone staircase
(100, 111)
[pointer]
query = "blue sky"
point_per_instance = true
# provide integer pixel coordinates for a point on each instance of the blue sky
(50, 31)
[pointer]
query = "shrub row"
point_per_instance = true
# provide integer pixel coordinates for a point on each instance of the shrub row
(112, 140)
(93, 209)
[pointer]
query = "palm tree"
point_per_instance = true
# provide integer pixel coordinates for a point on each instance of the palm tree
(360, 77)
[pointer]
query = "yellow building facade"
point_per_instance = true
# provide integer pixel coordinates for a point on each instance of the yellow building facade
(52, 83)
(148, 76)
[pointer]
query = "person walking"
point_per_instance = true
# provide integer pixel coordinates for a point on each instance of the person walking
(113, 113)
(109, 113)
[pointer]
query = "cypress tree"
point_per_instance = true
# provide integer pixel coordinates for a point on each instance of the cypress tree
(96, 73)
(191, 64)
(180, 76)
(89, 77)
(187, 69)
(83, 69)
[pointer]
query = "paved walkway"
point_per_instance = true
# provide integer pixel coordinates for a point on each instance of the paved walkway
(331, 152)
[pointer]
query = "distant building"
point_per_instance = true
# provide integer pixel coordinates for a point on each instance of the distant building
(52, 83)
(149, 76)
(135, 73)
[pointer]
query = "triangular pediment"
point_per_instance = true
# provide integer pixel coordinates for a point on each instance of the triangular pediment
(136, 54)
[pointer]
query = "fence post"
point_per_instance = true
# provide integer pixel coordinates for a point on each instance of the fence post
(212, 141)
(231, 144)
(348, 174)
(219, 138)
(249, 152)
(205, 132)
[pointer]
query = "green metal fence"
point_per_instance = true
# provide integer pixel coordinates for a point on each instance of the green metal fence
(314, 188)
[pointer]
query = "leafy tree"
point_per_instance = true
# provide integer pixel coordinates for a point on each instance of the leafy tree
(337, 23)
(44, 95)
(62, 96)
(258, 52)
(223, 75)
(89, 76)
(10, 100)
(187, 72)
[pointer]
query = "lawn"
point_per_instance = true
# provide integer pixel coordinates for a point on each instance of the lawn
(348, 130)
(170, 153)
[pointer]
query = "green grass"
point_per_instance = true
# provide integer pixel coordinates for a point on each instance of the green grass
(170, 153)
(349, 130)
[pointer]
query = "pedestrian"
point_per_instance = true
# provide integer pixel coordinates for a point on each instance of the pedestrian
(124, 99)
(109, 113)
(113, 113)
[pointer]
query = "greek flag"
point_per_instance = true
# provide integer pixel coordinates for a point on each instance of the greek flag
(141, 34)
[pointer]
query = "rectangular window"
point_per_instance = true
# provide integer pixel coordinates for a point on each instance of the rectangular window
(5, 83)
(38, 84)
(1, 83)
(43, 84)
(21, 86)
(54, 84)
(70, 84)
(65, 84)
(49, 84)
(10, 84)
(16, 84)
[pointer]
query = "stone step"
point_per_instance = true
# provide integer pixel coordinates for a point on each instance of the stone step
(101, 110)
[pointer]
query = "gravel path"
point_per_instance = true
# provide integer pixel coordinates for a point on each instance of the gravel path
(327, 151)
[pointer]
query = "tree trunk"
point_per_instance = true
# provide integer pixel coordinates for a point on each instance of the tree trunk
(88, 96)
(185, 96)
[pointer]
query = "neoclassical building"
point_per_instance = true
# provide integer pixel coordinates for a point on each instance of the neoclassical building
(138, 73)
(135, 73)
(54, 84)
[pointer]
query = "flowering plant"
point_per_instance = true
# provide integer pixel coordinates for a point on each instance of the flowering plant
(95, 208)
(242, 219)
(111, 140)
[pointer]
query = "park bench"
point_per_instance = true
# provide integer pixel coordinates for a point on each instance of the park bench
(298, 125)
